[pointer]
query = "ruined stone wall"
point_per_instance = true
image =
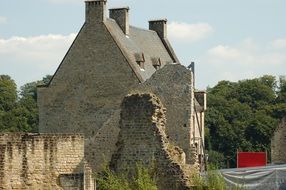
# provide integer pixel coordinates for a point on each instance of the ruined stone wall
(37, 161)
(142, 139)
(173, 84)
(85, 94)
(278, 144)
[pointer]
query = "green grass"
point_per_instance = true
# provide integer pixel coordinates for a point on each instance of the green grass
(213, 180)
(142, 180)
(145, 179)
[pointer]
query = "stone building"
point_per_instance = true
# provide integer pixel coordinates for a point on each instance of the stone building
(108, 60)
(278, 144)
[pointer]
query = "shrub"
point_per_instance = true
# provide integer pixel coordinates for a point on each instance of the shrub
(142, 180)
(212, 180)
(108, 180)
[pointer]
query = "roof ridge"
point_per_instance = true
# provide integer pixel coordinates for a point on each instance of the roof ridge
(147, 30)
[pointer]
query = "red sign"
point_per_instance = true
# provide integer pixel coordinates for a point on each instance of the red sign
(251, 159)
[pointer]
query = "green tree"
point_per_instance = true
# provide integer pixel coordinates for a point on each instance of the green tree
(8, 102)
(243, 115)
(8, 93)
(30, 89)
(216, 159)
(19, 113)
(255, 93)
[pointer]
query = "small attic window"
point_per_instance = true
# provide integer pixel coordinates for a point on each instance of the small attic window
(140, 59)
(156, 63)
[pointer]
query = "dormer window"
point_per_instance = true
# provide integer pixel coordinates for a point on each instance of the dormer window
(140, 60)
(156, 63)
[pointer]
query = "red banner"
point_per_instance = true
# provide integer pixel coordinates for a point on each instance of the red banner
(251, 159)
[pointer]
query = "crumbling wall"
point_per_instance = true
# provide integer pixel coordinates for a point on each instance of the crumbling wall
(142, 139)
(37, 161)
(278, 144)
(173, 84)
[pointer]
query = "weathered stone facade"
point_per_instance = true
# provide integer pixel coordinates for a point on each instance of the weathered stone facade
(173, 84)
(108, 60)
(85, 91)
(43, 161)
(278, 144)
(142, 139)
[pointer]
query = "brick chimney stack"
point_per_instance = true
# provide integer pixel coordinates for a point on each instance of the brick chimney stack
(95, 11)
(160, 26)
(121, 16)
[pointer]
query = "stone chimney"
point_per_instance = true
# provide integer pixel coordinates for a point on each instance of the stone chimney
(121, 16)
(95, 11)
(160, 26)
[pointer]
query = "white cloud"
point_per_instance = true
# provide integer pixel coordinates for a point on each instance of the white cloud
(244, 60)
(279, 43)
(184, 32)
(246, 53)
(224, 52)
(3, 19)
(31, 58)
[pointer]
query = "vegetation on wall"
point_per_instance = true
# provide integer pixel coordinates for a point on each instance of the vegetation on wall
(243, 116)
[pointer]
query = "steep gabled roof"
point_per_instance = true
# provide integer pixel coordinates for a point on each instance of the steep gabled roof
(145, 50)
(140, 45)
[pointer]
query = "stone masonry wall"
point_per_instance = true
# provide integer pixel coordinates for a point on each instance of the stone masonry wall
(86, 92)
(37, 161)
(142, 139)
(278, 144)
(173, 84)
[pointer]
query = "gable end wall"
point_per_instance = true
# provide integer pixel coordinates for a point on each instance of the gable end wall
(86, 92)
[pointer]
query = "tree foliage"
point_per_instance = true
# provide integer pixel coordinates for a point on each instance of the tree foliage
(18, 110)
(243, 115)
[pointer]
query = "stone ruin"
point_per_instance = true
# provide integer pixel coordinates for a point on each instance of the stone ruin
(278, 144)
(43, 161)
(143, 140)
(57, 161)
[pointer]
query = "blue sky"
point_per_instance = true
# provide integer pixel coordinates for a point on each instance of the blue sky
(228, 39)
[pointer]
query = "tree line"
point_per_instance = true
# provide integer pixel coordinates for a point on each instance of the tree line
(242, 116)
